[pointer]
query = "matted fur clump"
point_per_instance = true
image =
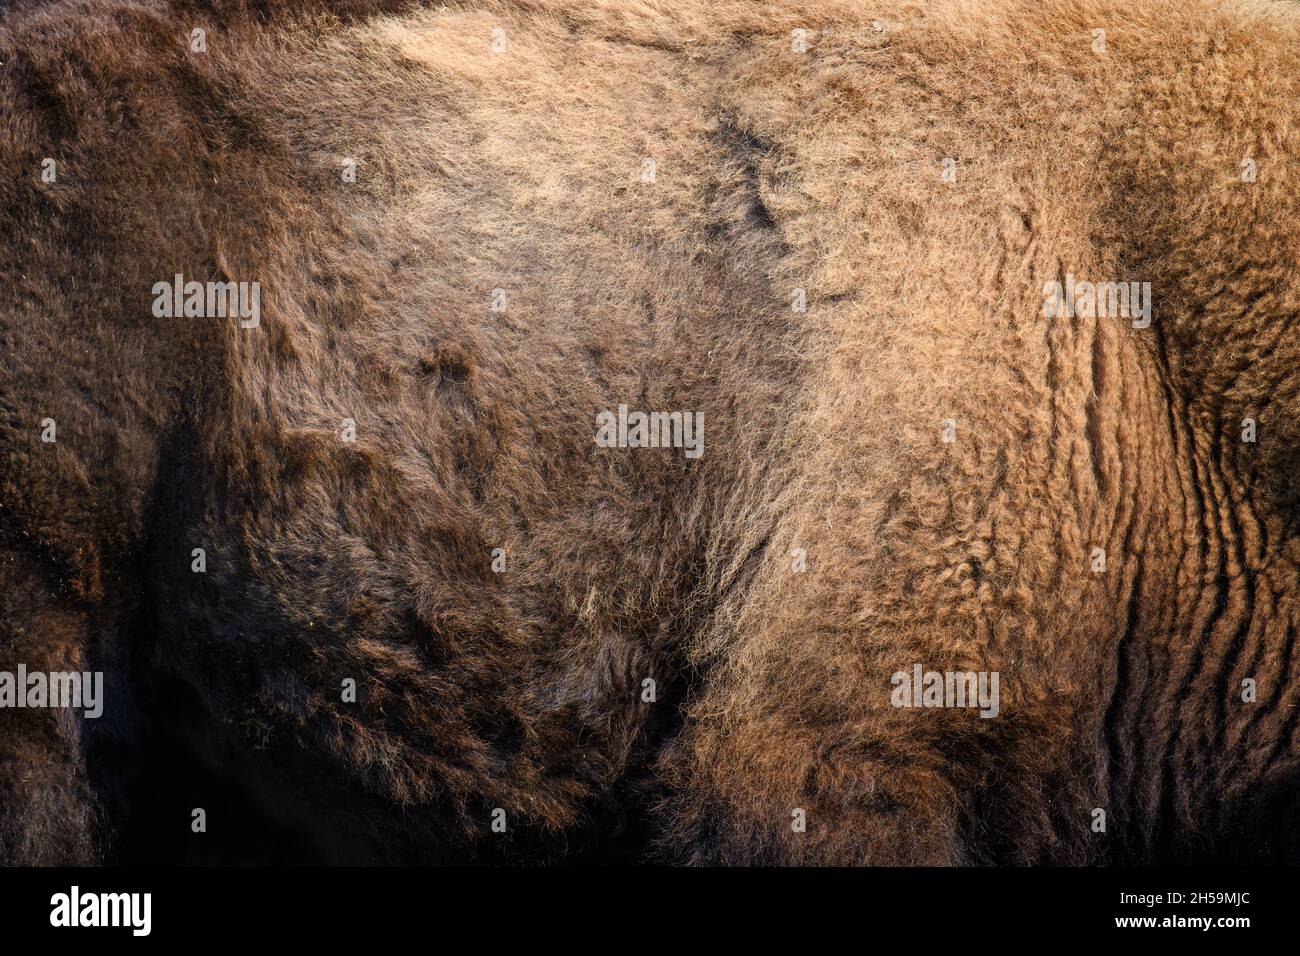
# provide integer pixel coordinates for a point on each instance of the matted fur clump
(368, 582)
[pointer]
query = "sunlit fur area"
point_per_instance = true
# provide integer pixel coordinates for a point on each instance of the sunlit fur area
(912, 174)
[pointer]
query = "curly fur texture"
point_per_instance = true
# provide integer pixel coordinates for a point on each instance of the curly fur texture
(775, 170)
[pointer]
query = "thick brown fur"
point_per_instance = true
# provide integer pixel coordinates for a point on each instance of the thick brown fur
(775, 170)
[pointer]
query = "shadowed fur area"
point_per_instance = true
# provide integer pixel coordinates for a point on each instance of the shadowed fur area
(500, 587)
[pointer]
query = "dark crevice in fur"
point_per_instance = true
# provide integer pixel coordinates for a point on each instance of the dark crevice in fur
(1121, 757)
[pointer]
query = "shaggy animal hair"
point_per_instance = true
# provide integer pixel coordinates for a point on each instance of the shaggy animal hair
(775, 169)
